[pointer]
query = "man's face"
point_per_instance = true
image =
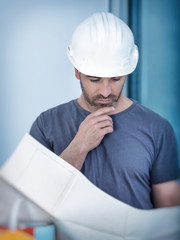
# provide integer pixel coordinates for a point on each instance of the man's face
(101, 92)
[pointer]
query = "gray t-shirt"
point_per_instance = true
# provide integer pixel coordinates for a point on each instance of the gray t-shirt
(141, 150)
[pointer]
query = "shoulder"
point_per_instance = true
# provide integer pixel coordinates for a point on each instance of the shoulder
(50, 122)
(59, 108)
(151, 117)
(154, 125)
(160, 130)
(58, 111)
(54, 116)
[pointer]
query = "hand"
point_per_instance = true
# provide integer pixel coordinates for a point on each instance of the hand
(93, 129)
(90, 133)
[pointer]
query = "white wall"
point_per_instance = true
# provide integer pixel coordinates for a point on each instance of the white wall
(35, 73)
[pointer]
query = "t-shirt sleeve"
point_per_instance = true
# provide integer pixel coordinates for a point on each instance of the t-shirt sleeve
(37, 132)
(165, 166)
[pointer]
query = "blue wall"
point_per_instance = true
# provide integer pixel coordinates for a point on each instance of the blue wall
(160, 87)
(35, 73)
(156, 82)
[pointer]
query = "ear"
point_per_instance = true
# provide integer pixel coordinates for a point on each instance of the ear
(76, 73)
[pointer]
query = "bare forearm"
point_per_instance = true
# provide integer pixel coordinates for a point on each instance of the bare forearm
(166, 194)
(74, 155)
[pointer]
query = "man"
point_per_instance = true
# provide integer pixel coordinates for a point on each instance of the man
(122, 147)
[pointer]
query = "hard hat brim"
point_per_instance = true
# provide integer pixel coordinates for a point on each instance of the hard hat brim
(107, 69)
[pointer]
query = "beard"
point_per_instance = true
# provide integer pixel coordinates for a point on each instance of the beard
(93, 101)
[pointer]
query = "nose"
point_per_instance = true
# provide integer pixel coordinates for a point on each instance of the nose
(105, 89)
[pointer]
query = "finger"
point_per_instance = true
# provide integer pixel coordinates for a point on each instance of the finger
(104, 124)
(107, 130)
(96, 119)
(104, 110)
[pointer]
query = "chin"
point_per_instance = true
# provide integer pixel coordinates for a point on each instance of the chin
(103, 105)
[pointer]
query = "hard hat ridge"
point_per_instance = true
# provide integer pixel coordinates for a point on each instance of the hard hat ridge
(103, 46)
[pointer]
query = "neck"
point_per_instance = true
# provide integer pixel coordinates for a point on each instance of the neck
(122, 104)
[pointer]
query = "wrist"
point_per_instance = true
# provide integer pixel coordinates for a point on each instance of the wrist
(74, 154)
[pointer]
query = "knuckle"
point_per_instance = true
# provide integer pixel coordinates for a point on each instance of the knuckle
(98, 131)
(108, 123)
(109, 129)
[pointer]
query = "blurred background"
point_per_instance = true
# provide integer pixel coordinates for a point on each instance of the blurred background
(35, 73)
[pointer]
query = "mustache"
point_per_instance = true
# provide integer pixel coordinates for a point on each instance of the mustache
(111, 96)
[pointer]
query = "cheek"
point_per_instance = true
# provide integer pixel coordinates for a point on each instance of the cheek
(92, 90)
(117, 88)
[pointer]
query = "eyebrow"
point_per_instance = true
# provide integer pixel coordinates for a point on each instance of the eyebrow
(92, 77)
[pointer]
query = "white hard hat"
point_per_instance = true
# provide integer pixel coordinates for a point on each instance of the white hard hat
(103, 46)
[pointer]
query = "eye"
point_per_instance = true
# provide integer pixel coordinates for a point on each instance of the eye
(116, 79)
(94, 80)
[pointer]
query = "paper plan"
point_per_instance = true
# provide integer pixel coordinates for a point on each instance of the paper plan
(80, 209)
